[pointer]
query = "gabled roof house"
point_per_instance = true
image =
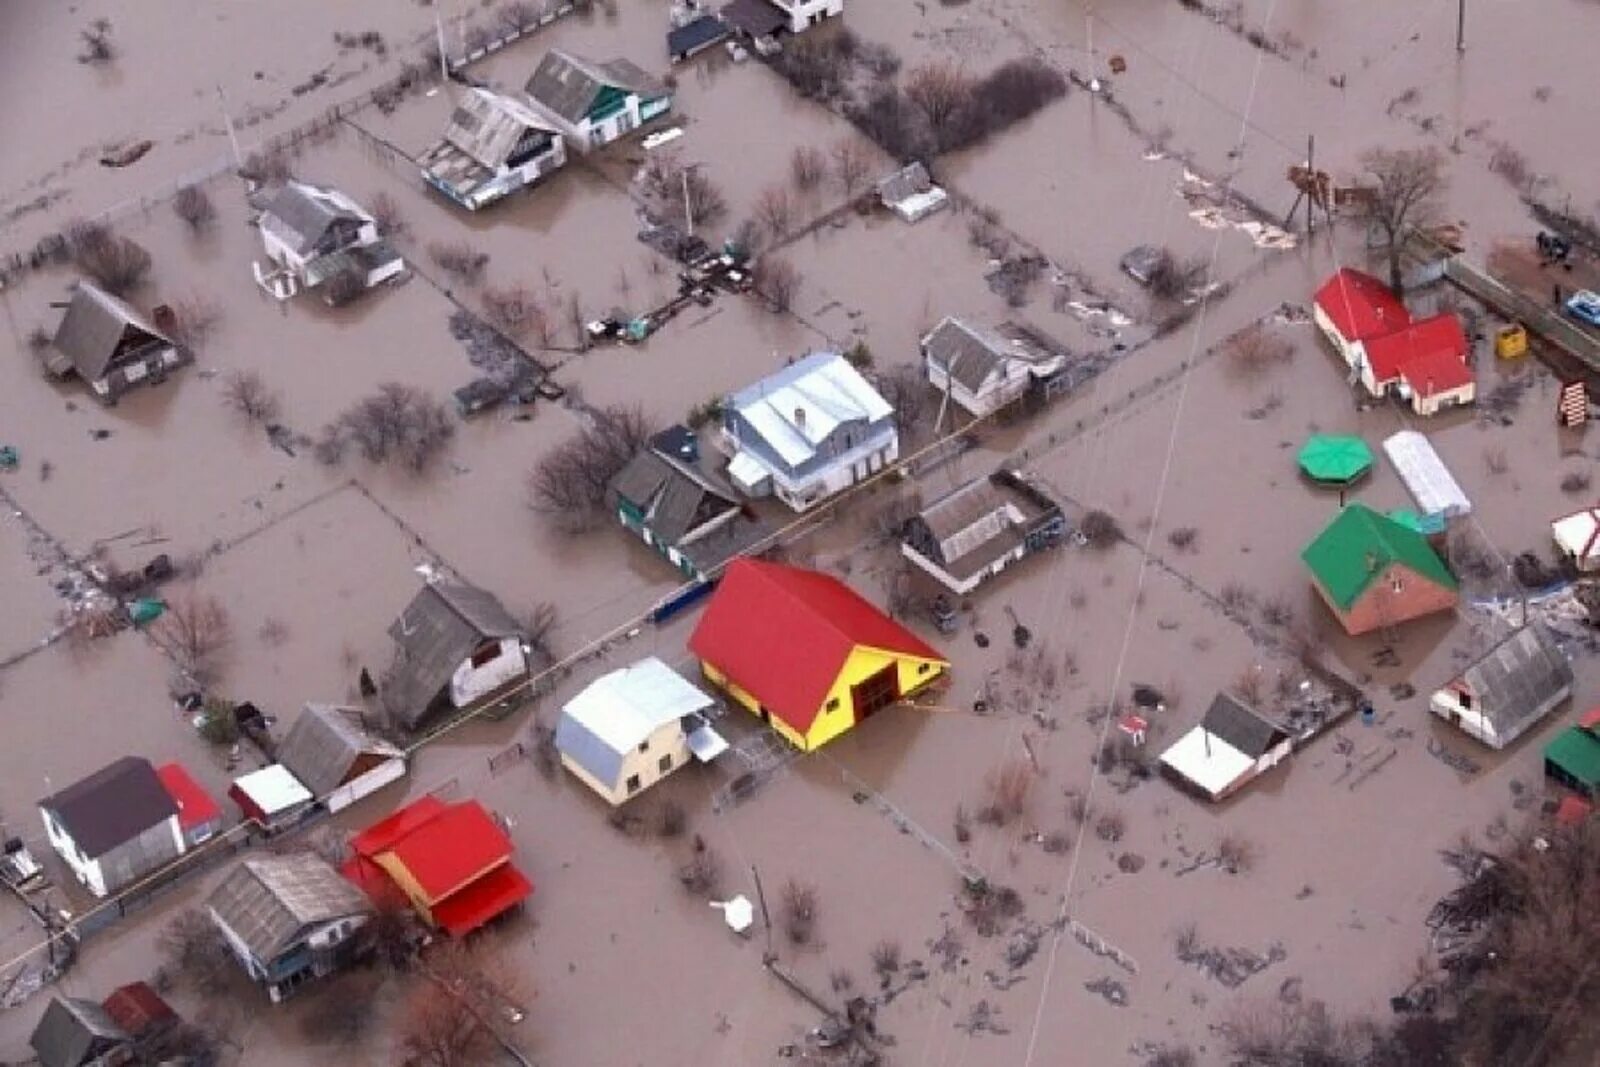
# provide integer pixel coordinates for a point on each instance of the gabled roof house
(805, 652)
(337, 758)
(983, 369)
(456, 647)
(593, 103)
(79, 1033)
(452, 862)
(977, 530)
(1515, 684)
(1374, 572)
(632, 727)
(1573, 758)
(1232, 745)
(312, 234)
(1578, 537)
(494, 144)
(199, 816)
(288, 919)
(808, 431)
(115, 826)
(110, 347)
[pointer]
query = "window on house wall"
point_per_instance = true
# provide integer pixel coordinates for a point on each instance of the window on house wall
(644, 746)
(485, 654)
(665, 763)
(924, 668)
(833, 703)
(633, 783)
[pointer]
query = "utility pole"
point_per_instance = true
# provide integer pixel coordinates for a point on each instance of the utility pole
(227, 121)
(766, 916)
(438, 28)
(688, 208)
(1461, 26)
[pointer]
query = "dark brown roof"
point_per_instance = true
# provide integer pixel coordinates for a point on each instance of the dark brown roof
(93, 328)
(113, 805)
(754, 17)
(443, 625)
(568, 85)
(1243, 729)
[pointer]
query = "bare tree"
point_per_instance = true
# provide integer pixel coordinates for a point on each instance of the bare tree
(570, 482)
(193, 319)
(676, 191)
(194, 953)
(1006, 790)
(938, 89)
(778, 280)
(195, 630)
(774, 210)
(398, 422)
(97, 44)
(577, 322)
(267, 168)
(799, 911)
(194, 207)
(451, 1014)
(117, 264)
(807, 166)
(247, 393)
(387, 214)
(1408, 192)
(460, 259)
(908, 392)
(514, 310)
(538, 624)
(851, 162)
(1255, 349)
(435, 1032)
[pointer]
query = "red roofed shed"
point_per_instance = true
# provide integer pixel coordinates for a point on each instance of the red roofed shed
(805, 651)
(139, 1010)
(199, 816)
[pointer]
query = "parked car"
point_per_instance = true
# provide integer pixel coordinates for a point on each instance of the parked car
(1584, 305)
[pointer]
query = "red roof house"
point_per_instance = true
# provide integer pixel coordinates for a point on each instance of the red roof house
(451, 861)
(139, 1010)
(199, 817)
(805, 652)
(1427, 361)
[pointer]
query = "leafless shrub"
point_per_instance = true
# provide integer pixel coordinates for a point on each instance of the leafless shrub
(193, 205)
(1249, 686)
(569, 483)
(852, 161)
(1277, 611)
(886, 959)
(1110, 826)
(98, 47)
(539, 624)
(778, 280)
(546, 756)
(117, 264)
(342, 1014)
(194, 953)
(386, 213)
(434, 1031)
(815, 67)
(398, 423)
(1183, 538)
(1273, 1032)
(514, 310)
(939, 89)
(518, 14)
(1057, 843)
(1078, 808)
(267, 168)
(807, 166)
(272, 632)
(1575, 482)
(1174, 279)
(193, 320)
(195, 630)
(1255, 350)
(799, 911)
(1173, 1056)
(988, 906)
(1235, 598)
(702, 875)
(1100, 529)
(841, 981)
(1236, 854)
(679, 192)
(459, 259)
(671, 819)
(907, 391)
(1494, 459)
(246, 393)
(1006, 789)
(962, 824)
(1512, 165)
(775, 211)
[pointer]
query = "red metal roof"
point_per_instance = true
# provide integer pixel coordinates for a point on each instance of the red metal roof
(1573, 810)
(1360, 306)
(195, 806)
(1435, 347)
(1590, 719)
(137, 1008)
(450, 849)
(382, 835)
(482, 900)
(783, 634)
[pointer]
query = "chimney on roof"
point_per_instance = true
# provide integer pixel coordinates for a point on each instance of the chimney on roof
(1372, 562)
(800, 417)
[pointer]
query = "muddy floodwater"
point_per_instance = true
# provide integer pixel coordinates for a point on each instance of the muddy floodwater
(1122, 908)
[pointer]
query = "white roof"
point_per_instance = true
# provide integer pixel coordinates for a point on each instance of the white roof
(747, 471)
(797, 408)
(706, 743)
(1207, 761)
(1425, 474)
(1579, 534)
(625, 707)
(273, 789)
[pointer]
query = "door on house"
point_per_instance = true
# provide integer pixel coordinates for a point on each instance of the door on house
(875, 692)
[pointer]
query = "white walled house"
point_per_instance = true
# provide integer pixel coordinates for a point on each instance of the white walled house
(1578, 537)
(592, 103)
(631, 728)
(803, 14)
(312, 235)
(982, 371)
(807, 432)
(494, 145)
(339, 761)
(288, 919)
(1231, 746)
(115, 826)
(455, 647)
(1504, 694)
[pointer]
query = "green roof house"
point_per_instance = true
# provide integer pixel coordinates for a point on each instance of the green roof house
(1374, 572)
(1573, 758)
(594, 103)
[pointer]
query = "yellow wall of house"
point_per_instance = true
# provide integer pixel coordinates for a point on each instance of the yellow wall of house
(408, 885)
(863, 663)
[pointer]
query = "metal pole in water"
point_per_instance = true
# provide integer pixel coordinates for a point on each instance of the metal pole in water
(1461, 26)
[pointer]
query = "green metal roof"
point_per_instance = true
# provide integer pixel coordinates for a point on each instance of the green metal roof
(1359, 545)
(1576, 751)
(1335, 459)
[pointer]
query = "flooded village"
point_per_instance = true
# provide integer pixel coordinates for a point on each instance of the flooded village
(897, 532)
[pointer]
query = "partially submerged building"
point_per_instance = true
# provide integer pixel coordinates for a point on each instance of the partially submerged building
(456, 647)
(632, 727)
(115, 826)
(493, 145)
(806, 653)
(593, 103)
(983, 369)
(1578, 537)
(199, 815)
(1374, 572)
(288, 919)
(450, 862)
(314, 235)
(1504, 694)
(74, 1032)
(910, 193)
(1426, 362)
(1431, 484)
(140, 1011)
(271, 797)
(807, 432)
(1232, 745)
(110, 347)
(697, 33)
(1573, 758)
(682, 511)
(977, 530)
(330, 750)
(801, 15)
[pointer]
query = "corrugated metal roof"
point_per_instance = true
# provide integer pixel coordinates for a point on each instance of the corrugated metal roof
(568, 85)
(444, 623)
(971, 353)
(618, 711)
(1434, 488)
(324, 744)
(675, 499)
(94, 327)
(1519, 681)
(1243, 728)
(797, 408)
(268, 901)
(302, 213)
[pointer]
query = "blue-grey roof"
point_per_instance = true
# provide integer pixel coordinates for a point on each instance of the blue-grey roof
(703, 31)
